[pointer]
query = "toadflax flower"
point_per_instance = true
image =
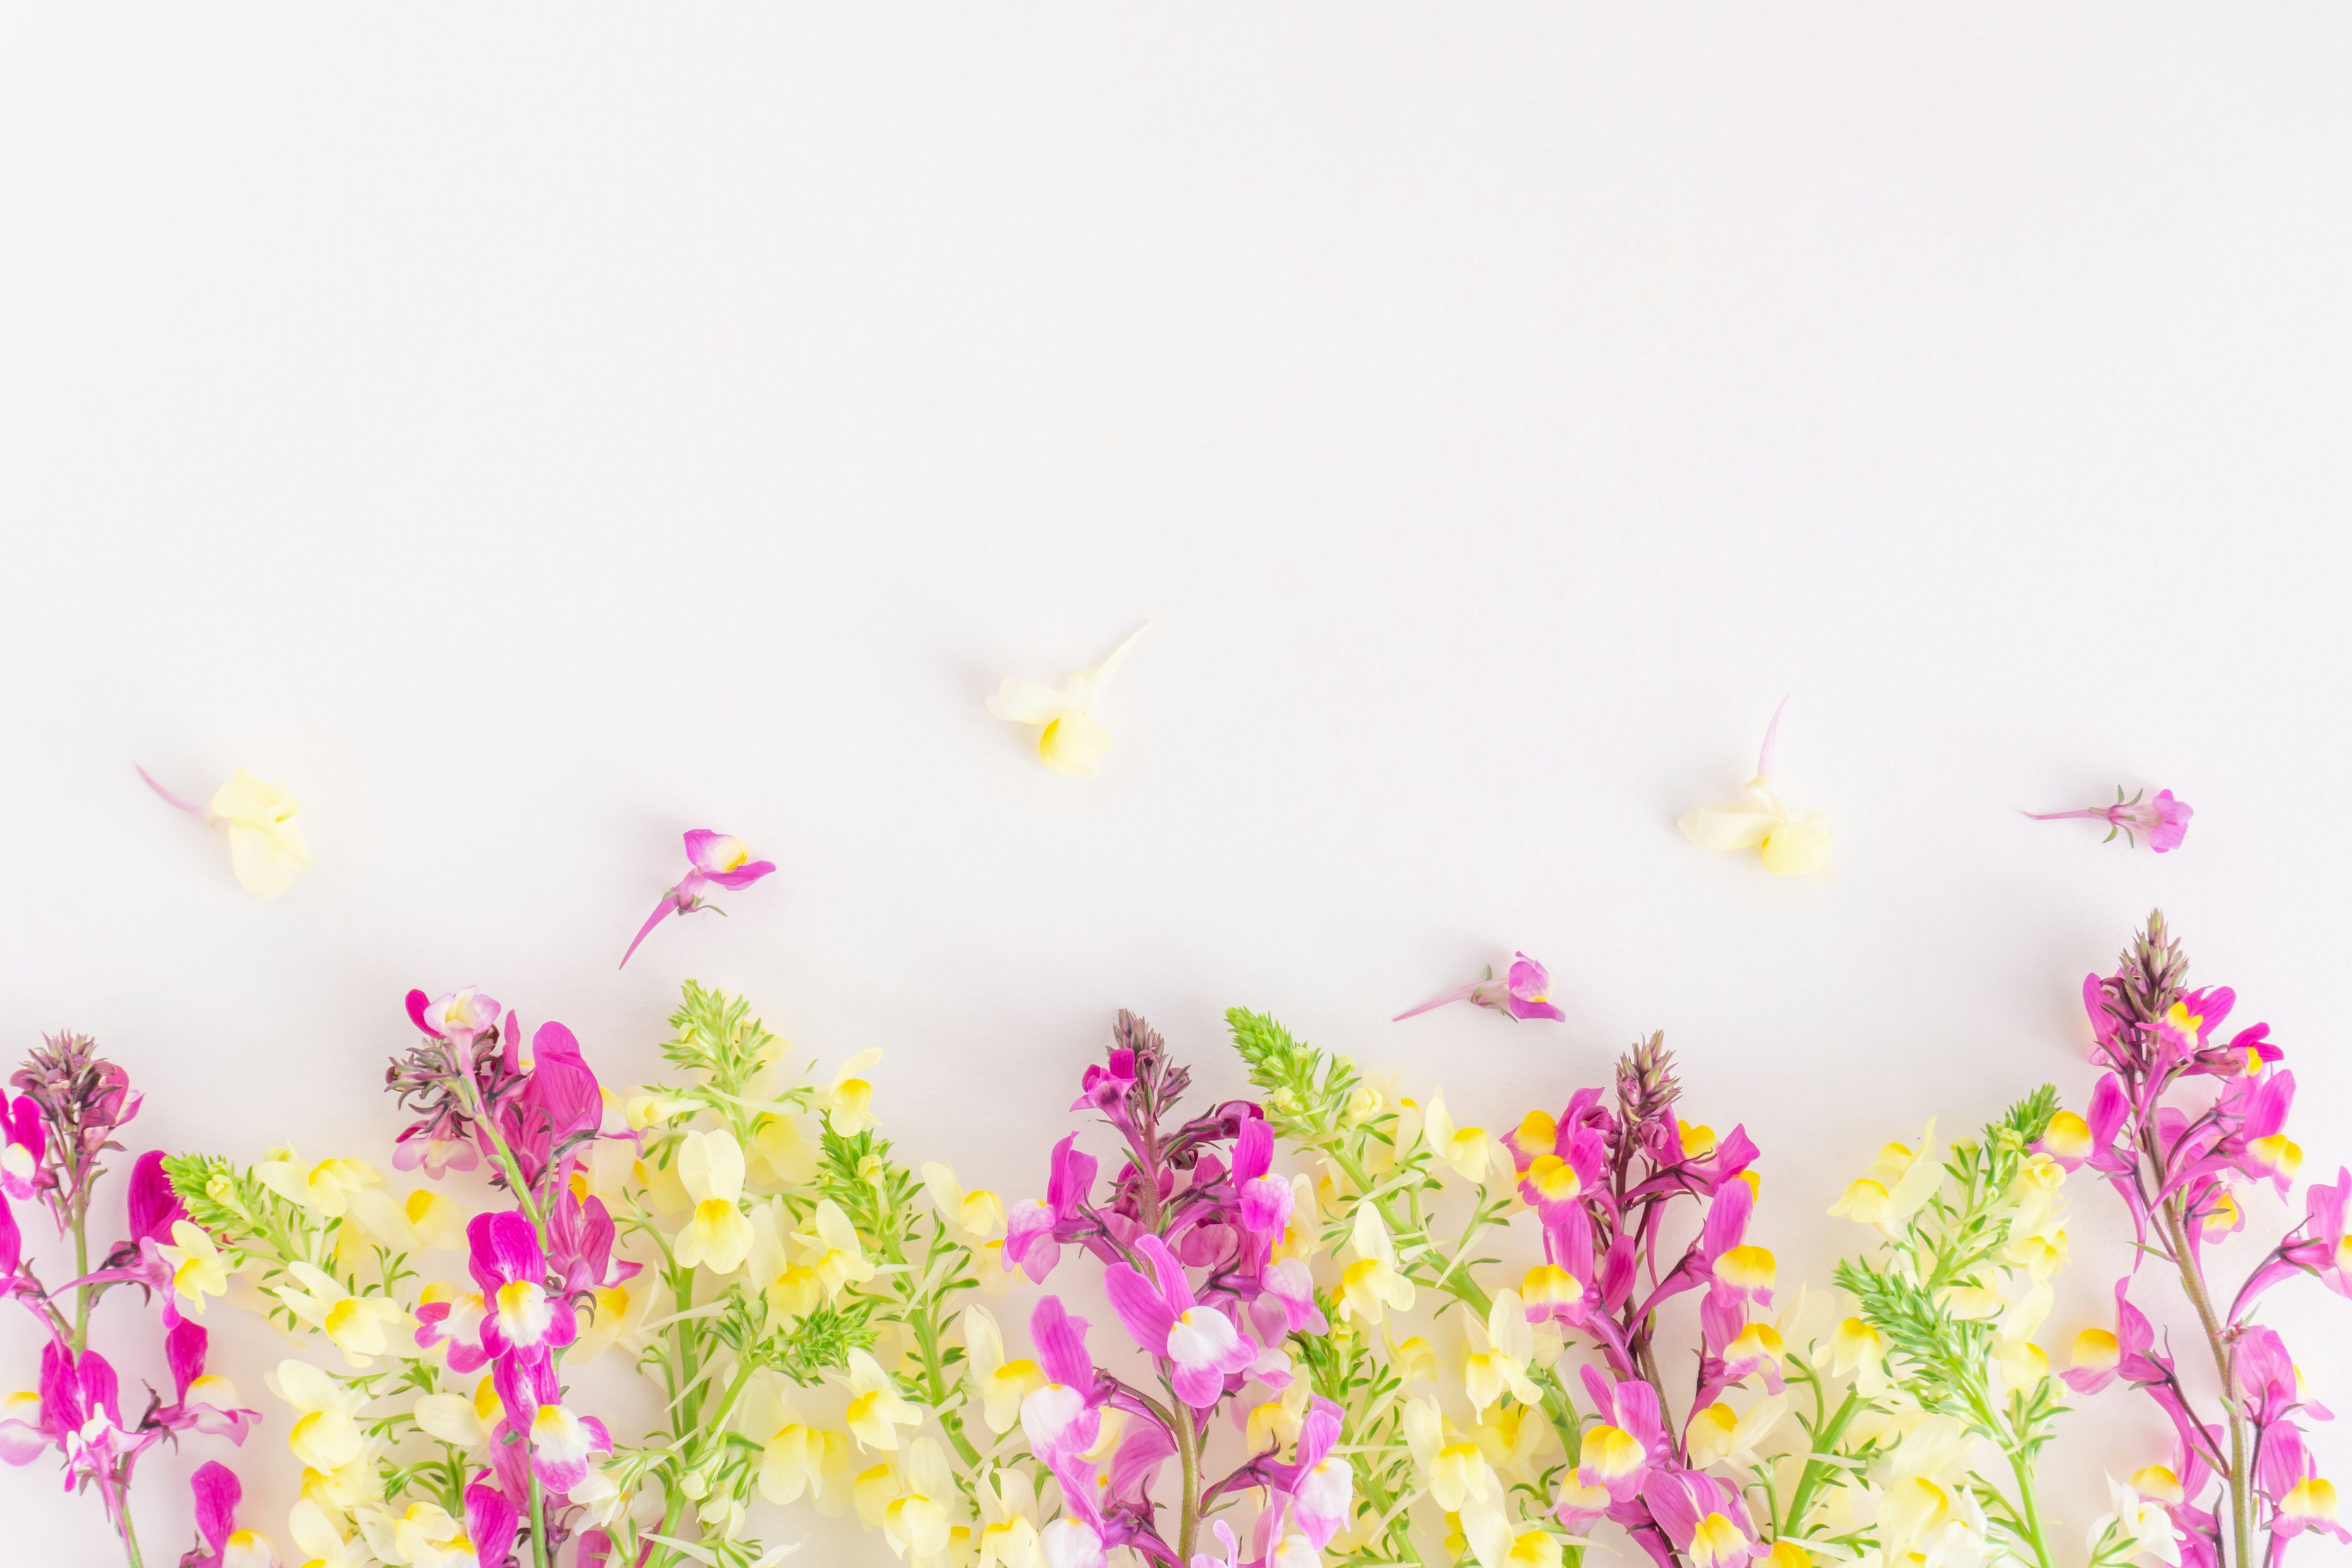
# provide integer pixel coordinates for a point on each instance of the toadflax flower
(1071, 741)
(266, 846)
(2164, 819)
(1523, 993)
(714, 860)
(1789, 839)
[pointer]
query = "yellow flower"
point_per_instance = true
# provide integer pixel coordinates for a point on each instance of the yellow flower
(1896, 1186)
(1790, 840)
(875, 1411)
(198, 1269)
(719, 1235)
(1000, 1385)
(1720, 1434)
(1457, 1471)
(1503, 1364)
(266, 848)
(1071, 741)
(356, 1324)
(325, 1436)
(832, 1252)
(979, 1214)
(782, 1153)
(1466, 1149)
(1373, 1282)
(424, 1220)
(324, 1188)
(849, 1102)
(796, 1458)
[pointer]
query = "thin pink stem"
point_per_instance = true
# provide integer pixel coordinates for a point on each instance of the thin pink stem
(1459, 994)
(2098, 811)
(668, 903)
(1765, 758)
(168, 797)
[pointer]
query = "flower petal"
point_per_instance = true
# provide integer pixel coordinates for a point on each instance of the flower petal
(1727, 827)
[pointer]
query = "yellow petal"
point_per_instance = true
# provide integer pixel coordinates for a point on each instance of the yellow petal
(1074, 744)
(1799, 844)
(1727, 827)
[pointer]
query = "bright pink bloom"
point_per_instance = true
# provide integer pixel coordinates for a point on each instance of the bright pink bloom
(1525, 992)
(1266, 1199)
(217, 1494)
(2164, 819)
(1168, 1320)
(714, 860)
(198, 1406)
(25, 1148)
(1064, 1416)
(519, 1316)
(491, 1524)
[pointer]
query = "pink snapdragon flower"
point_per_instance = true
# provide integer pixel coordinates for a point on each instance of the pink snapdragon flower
(519, 1317)
(715, 860)
(24, 1145)
(1523, 993)
(217, 1494)
(2164, 819)
(1167, 1320)
(204, 1403)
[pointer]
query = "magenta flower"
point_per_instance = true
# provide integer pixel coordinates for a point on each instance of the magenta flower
(1524, 992)
(518, 1316)
(217, 1494)
(1167, 1320)
(204, 1403)
(2164, 819)
(715, 860)
(1064, 1416)
(23, 1145)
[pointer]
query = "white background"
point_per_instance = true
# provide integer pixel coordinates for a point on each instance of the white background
(529, 434)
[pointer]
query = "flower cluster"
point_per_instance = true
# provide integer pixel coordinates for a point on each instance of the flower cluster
(2185, 1125)
(58, 1128)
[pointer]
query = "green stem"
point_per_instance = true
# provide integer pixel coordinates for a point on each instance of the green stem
(81, 1292)
(2225, 1362)
(2028, 1512)
(1188, 1453)
(1825, 1441)
(538, 1523)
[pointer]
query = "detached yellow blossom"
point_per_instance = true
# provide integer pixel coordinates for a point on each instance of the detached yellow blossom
(719, 1236)
(1072, 742)
(1790, 840)
(267, 849)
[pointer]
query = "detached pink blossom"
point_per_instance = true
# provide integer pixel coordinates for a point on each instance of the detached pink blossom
(715, 860)
(1525, 992)
(2164, 819)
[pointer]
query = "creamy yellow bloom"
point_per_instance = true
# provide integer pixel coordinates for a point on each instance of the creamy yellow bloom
(1457, 1473)
(849, 1102)
(424, 1220)
(1790, 840)
(1896, 1186)
(782, 1154)
(832, 1252)
(359, 1326)
(1502, 1364)
(459, 1421)
(1071, 740)
(198, 1268)
(797, 1458)
(876, 1410)
(1000, 1385)
(324, 1188)
(1371, 1283)
(267, 849)
(1467, 1150)
(978, 1213)
(717, 1236)
(325, 1434)
(1721, 1434)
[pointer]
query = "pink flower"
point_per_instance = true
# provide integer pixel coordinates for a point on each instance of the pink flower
(715, 860)
(217, 1493)
(1168, 1320)
(1523, 993)
(1064, 1416)
(2164, 819)
(518, 1316)
(205, 1404)
(24, 1144)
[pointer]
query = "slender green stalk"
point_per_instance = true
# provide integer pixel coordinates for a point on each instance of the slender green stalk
(1816, 1470)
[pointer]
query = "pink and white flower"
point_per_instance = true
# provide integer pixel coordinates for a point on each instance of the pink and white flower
(714, 860)
(1523, 993)
(1199, 1341)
